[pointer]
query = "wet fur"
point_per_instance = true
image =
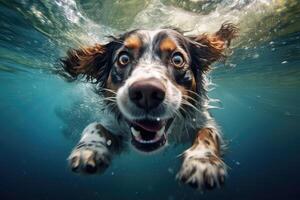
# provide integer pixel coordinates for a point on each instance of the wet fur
(202, 164)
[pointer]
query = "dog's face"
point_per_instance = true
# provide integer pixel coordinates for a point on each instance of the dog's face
(151, 76)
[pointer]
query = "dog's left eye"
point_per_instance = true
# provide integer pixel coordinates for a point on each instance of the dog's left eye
(124, 59)
(178, 60)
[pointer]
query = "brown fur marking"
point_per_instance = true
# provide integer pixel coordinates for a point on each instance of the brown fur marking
(167, 45)
(208, 137)
(110, 85)
(88, 61)
(133, 42)
(214, 45)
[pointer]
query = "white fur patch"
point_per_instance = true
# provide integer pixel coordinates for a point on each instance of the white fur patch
(90, 133)
(171, 102)
(91, 151)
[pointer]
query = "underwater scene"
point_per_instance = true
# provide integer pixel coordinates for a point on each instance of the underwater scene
(42, 116)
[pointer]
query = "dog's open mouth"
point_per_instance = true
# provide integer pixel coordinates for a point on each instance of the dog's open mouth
(148, 135)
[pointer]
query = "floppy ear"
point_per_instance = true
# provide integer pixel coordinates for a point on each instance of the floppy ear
(208, 48)
(91, 63)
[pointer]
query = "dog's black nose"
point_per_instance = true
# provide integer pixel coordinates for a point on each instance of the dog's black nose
(147, 94)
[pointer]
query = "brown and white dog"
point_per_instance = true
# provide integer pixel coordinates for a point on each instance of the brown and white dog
(153, 84)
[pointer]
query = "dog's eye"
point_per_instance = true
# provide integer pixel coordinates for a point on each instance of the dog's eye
(178, 60)
(124, 59)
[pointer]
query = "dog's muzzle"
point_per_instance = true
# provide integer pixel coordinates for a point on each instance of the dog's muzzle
(147, 94)
(148, 135)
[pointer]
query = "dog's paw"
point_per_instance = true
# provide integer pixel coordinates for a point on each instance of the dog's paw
(206, 172)
(89, 161)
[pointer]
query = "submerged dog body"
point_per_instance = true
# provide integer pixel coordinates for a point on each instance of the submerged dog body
(153, 85)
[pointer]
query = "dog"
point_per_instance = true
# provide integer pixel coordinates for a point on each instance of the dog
(153, 85)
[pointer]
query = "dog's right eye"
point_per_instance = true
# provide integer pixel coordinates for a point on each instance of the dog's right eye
(178, 60)
(124, 59)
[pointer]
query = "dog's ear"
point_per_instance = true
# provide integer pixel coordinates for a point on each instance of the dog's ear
(208, 48)
(91, 63)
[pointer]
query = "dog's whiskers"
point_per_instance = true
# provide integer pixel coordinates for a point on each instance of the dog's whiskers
(184, 102)
(191, 98)
(195, 93)
(174, 111)
(110, 98)
(109, 90)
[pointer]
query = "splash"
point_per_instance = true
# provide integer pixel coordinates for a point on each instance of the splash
(73, 23)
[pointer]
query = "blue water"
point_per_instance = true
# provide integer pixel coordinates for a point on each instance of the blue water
(41, 115)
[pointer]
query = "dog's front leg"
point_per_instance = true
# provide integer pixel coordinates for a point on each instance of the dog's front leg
(202, 167)
(93, 152)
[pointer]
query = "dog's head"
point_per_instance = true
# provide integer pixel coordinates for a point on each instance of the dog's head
(150, 75)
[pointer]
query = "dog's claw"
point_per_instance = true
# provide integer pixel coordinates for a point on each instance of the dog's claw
(202, 173)
(88, 161)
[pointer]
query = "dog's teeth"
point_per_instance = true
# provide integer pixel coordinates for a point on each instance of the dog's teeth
(135, 132)
(137, 135)
(161, 132)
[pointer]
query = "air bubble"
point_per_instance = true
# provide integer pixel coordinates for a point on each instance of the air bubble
(232, 65)
(158, 119)
(255, 56)
(170, 170)
(108, 142)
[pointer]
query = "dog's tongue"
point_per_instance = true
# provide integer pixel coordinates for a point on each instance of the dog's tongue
(148, 125)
